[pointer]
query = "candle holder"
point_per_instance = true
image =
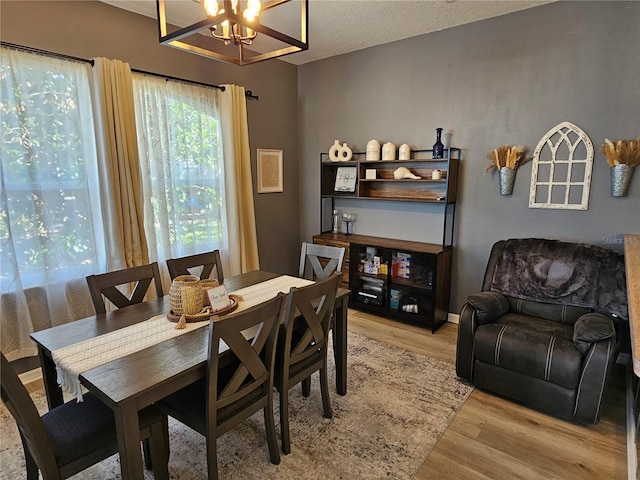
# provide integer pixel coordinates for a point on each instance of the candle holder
(348, 219)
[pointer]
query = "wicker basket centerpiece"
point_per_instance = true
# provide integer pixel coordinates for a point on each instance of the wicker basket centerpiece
(188, 294)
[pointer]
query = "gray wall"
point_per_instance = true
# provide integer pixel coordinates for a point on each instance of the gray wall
(503, 80)
(89, 29)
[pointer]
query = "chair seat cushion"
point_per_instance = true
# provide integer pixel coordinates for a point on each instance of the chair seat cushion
(188, 404)
(531, 346)
(77, 429)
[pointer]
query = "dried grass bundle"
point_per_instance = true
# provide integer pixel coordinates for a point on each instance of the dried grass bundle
(622, 152)
(506, 156)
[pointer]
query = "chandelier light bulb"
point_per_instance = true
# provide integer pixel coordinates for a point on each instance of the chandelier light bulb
(253, 9)
(211, 6)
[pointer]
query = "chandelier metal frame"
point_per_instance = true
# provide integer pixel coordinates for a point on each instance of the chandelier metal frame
(244, 56)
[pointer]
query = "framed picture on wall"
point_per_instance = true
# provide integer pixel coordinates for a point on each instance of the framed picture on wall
(269, 171)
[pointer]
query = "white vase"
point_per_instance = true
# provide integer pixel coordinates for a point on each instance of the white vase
(334, 151)
(345, 153)
(373, 150)
(404, 153)
(388, 151)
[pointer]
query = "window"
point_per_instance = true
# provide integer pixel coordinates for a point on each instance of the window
(561, 174)
(180, 150)
(49, 230)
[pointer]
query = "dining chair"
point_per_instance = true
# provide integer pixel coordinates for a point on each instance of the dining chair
(208, 261)
(302, 345)
(75, 435)
(105, 284)
(239, 382)
(323, 260)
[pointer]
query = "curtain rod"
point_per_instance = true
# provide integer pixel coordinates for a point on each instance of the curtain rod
(247, 93)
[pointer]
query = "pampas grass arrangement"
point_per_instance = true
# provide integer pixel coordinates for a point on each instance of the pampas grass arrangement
(506, 156)
(622, 152)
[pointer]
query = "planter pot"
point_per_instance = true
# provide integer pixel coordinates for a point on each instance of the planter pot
(507, 179)
(620, 180)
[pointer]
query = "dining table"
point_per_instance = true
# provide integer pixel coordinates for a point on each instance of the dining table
(132, 382)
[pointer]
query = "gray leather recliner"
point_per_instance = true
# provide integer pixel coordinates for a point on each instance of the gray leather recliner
(543, 330)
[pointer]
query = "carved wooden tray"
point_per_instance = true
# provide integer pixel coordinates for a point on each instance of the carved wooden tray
(199, 317)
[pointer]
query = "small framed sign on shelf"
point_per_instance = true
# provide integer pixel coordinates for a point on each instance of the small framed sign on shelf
(346, 179)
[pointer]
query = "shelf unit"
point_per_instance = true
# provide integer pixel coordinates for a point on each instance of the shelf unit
(385, 187)
(403, 280)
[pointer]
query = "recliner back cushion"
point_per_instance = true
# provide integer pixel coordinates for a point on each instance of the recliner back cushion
(564, 314)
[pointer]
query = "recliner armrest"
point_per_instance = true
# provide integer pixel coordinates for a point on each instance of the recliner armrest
(590, 328)
(489, 306)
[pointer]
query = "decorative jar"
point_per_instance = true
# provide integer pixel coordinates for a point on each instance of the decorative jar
(373, 150)
(388, 151)
(404, 152)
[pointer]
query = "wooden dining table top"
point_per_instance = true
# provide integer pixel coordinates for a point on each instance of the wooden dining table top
(152, 365)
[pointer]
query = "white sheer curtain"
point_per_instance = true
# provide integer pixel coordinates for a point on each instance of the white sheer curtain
(50, 235)
(182, 168)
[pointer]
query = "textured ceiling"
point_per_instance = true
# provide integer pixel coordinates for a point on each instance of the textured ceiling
(342, 26)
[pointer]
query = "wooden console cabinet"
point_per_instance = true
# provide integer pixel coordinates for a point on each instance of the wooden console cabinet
(405, 280)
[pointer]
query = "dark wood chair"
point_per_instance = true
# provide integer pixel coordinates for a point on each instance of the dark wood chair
(302, 346)
(208, 261)
(323, 260)
(76, 435)
(239, 382)
(105, 284)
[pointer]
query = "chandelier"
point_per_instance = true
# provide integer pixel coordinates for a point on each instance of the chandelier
(235, 31)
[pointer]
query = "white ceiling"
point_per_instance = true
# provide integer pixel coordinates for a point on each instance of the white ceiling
(342, 26)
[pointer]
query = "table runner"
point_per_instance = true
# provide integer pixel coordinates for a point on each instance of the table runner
(74, 359)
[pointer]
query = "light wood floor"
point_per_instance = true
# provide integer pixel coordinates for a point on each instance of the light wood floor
(493, 438)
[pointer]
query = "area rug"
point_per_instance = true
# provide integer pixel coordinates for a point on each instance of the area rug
(397, 406)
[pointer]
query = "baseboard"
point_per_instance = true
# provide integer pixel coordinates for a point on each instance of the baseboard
(453, 318)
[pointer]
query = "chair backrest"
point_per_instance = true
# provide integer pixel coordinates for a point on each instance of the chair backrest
(307, 320)
(323, 259)
(32, 432)
(245, 379)
(106, 284)
(208, 261)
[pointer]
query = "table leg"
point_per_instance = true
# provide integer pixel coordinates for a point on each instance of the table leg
(128, 430)
(340, 344)
(50, 379)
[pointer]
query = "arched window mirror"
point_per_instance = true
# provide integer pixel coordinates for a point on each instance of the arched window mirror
(561, 173)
